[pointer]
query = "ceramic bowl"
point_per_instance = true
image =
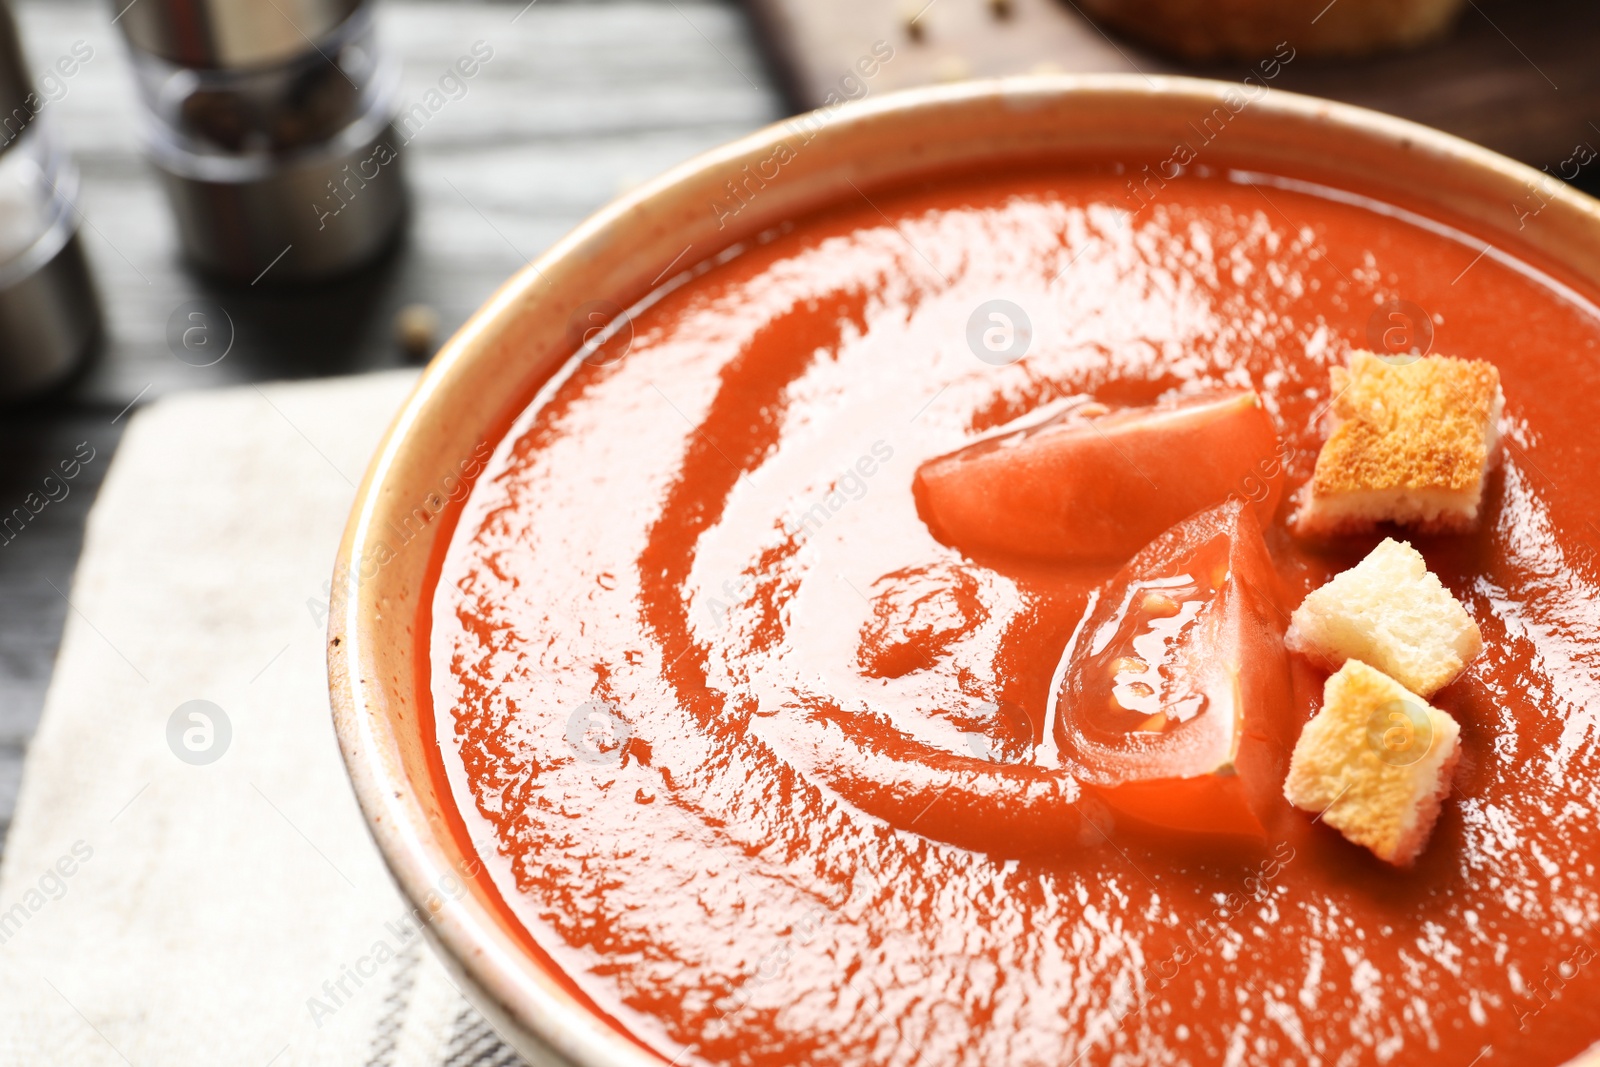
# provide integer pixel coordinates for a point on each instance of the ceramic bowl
(377, 645)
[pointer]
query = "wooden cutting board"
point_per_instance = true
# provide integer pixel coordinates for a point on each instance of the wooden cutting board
(1519, 76)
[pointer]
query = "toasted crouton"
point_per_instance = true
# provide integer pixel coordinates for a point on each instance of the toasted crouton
(1375, 763)
(1412, 443)
(1391, 611)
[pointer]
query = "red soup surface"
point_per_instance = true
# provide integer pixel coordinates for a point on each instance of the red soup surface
(769, 771)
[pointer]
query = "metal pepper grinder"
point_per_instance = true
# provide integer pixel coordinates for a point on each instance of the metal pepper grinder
(48, 312)
(268, 121)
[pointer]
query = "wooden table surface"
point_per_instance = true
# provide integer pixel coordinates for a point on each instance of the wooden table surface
(579, 101)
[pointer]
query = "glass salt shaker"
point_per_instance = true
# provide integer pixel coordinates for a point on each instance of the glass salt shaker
(48, 312)
(268, 121)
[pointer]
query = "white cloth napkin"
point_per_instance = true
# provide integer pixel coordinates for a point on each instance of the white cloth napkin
(158, 911)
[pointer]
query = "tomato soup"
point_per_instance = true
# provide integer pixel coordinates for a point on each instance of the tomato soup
(768, 769)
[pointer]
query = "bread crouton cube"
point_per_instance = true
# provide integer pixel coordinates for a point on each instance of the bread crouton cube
(1375, 763)
(1389, 610)
(1412, 443)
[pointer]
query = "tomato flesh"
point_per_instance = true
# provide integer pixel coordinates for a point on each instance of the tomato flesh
(1174, 698)
(1092, 483)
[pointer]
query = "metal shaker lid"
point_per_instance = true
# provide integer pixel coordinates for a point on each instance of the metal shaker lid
(228, 34)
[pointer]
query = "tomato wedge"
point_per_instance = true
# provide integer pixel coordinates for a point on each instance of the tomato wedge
(1175, 703)
(1093, 483)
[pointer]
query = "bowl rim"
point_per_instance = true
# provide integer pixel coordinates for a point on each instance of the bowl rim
(503, 977)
